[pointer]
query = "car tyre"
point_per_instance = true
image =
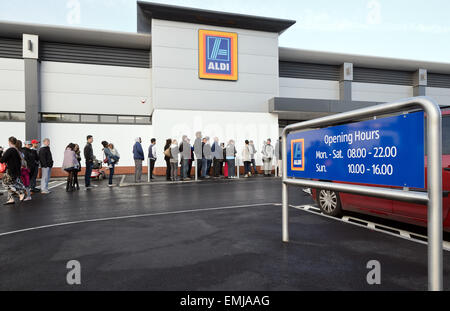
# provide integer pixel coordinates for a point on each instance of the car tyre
(329, 203)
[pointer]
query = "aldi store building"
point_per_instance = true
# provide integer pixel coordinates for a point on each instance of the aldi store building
(185, 70)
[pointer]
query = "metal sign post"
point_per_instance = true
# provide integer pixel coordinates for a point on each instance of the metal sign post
(433, 196)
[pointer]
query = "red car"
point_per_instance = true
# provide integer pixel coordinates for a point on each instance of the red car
(334, 204)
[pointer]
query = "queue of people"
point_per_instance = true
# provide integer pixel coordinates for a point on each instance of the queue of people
(21, 161)
(212, 160)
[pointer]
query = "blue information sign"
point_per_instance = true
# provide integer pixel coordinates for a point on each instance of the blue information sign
(386, 151)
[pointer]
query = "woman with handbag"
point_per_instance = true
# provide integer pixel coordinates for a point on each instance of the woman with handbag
(111, 158)
(167, 147)
(24, 170)
(11, 166)
(70, 165)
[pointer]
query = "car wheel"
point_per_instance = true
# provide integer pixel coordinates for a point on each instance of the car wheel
(329, 203)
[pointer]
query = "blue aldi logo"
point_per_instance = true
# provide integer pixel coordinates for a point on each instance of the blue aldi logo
(298, 154)
(218, 59)
(217, 55)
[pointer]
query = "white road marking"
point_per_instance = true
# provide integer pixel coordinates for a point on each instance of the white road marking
(57, 185)
(403, 234)
(134, 216)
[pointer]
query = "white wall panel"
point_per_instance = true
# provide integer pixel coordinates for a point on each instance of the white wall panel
(8, 129)
(305, 88)
(122, 136)
(176, 84)
(186, 99)
(380, 92)
(225, 125)
(12, 85)
(441, 95)
(82, 88)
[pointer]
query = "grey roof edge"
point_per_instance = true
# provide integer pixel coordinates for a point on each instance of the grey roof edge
(214, 18)
(330, 58)
(76, 35)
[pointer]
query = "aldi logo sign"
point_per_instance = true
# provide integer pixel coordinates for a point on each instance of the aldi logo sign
(217, 55)
(298, 155)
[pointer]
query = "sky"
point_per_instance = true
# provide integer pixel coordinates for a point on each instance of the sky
(411, 29)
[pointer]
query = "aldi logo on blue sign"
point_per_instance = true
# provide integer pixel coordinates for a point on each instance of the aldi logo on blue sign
(298, 155)
(217, 55)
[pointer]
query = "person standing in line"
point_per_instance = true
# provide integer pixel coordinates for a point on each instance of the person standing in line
(138, 155)
(70, 165)
(252, 156)
(11, 177)
(268, 154)
(89, 158)
(32, 158)
(180, 149)
(185, 151)
(167, 158)
(279, 156)
(208, 156)
(152, 156)
(217, 155)
(224, 166)
(198, 151)
(110, 160)
(76, 185)
(191, 161)
(231, 158)
(24, 170)
(174, 152)
(246, 158)
(46, 160)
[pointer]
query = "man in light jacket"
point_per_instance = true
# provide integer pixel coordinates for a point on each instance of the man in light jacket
(252, 156)
(138, 156)
(207, 157)
(185, 151)
(268, 154)
(230, 153)
(217, 154)
(246, 159)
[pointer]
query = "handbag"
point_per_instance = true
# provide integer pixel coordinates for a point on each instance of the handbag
(168, 153)
(2, 167)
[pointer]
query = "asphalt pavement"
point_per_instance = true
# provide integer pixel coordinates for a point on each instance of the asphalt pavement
(211, 235)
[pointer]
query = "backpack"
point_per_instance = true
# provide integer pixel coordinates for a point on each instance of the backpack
(168, 153)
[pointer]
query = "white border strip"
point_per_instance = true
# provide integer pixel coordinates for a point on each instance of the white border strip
(134, 216)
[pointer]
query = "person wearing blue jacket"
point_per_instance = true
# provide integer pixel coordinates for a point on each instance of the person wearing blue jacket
(138, 155)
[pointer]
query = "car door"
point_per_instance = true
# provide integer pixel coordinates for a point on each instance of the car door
(368, 205)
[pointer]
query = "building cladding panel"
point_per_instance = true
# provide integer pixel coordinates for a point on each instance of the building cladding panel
(10, 48)
(90, 54)
(382, 76)
(309, 71)
(438, 80)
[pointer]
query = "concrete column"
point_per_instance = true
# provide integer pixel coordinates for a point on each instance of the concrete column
(345, 82)
(420, 82)
(32, 86)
